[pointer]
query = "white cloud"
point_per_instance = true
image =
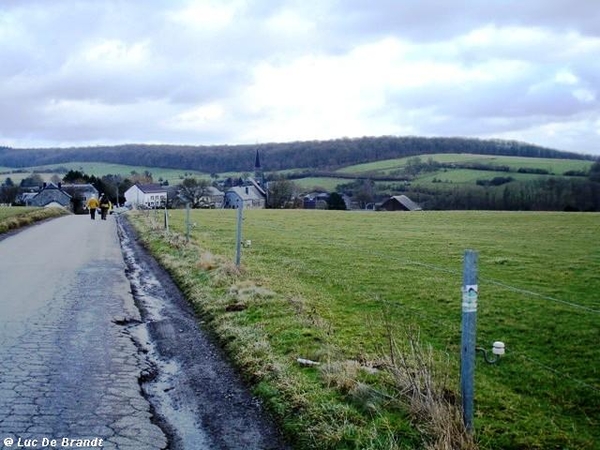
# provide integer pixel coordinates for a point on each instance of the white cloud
(209, 15)
(230, 71)
(196, 118)
(289, 22)
(566, 77)
(115, 53)
(584, 95)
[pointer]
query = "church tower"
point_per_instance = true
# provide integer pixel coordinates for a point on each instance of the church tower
(258, 172)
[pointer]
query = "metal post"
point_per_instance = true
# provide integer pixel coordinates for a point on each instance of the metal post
(469, 331)
(187, 222)
(238, 243)
(166, 219)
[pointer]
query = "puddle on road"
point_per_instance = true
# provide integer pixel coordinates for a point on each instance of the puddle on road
(159, 388)
(161, 382)
(142, 283)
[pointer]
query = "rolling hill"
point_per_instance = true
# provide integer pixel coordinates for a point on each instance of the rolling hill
(438, 173)
(323, 155)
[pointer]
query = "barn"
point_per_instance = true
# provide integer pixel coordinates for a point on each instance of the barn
(399, 203)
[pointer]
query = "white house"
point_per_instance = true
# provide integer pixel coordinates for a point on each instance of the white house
(213, 198)
(146, 195)
(249, 196)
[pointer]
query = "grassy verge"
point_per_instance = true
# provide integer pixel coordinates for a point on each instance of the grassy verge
(17, 217)
(375, 299)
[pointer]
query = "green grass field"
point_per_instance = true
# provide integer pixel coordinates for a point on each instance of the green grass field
(338, 282)
(469, 176)
(319, 182)
(556, 166)
(174, 176)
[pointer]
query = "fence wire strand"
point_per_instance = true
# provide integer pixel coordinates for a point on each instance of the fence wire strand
(542, 296)
(447, 270)
(555, 372)
(449, 327)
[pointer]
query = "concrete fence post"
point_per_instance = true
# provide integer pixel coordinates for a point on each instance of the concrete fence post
(238, 241)
(187, 222)
(468, 337)
(166, 219)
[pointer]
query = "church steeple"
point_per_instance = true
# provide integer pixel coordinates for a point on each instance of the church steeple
(257, 162)
(258, 173)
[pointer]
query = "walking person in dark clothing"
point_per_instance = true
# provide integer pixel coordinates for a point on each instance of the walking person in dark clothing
(104, 206)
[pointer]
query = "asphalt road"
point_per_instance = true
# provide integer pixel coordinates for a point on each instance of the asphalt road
(81, 367)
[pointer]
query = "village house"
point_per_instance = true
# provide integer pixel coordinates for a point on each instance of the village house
(315, 200)
(399, 203)
(49, 195)
(213, 198)
(71, 196)
(146, 196)
(320, 200)
(251, 195)
(80, 194)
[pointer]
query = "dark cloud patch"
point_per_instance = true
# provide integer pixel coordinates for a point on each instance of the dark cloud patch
(434, 20)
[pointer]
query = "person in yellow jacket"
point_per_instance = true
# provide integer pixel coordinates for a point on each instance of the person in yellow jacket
(92, 205)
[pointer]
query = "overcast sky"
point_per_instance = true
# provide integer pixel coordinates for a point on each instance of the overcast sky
(87, 72)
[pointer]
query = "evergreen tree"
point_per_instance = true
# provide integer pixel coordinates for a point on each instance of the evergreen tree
(336, 202)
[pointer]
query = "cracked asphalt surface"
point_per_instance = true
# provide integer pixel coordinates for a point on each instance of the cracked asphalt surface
(79, 361)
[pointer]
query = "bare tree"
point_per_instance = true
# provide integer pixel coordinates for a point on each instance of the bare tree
(193, 191)
(280, 193)
(366, 193)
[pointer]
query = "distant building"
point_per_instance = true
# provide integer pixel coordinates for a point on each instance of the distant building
(214, 198)
(80, 194)
(399, 203)
(249, 196)
(49, 194)
(251, 193)
(315, 200)
(258, 172)
(146, 195)
(320, 200)
(25, 198)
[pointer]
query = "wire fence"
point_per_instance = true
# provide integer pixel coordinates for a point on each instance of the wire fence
(452, 276)
(450, 327)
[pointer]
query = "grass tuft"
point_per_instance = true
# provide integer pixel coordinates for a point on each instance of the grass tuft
(420, 382)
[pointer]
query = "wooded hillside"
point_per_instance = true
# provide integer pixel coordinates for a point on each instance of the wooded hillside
(330, 154)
